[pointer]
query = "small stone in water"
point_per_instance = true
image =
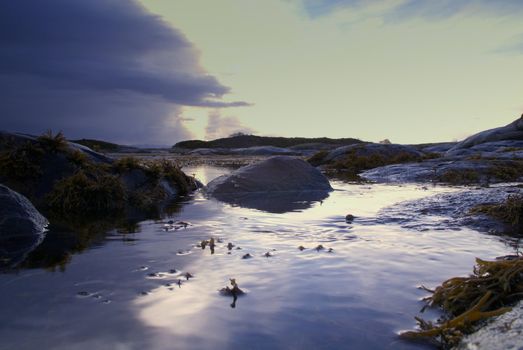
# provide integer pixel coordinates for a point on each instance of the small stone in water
(247, 256)
(330, 250)
(349, 218)
(320, 247)
(83, 293)
(267, 255)
(302, 248)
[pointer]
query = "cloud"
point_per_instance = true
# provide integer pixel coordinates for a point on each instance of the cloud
(219, 126)
(448, 8)
(420, 8)
(106, 65)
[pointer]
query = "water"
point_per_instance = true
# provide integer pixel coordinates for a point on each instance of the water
(121, 290)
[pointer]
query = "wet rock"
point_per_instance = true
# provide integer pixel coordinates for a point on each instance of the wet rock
(22, 227)
(319, 247)
(277, 184)
(503, 332)
(349, 218)
(247, 256)
(447, 170)
(426, 213)
(276, 174)
(302, 248)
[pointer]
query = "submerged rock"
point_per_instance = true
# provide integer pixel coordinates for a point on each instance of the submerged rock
(22, 227)
(277, 184)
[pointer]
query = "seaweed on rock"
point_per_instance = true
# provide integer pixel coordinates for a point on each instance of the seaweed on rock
(488, 292)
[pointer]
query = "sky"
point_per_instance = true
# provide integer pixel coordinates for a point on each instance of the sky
(157, 72)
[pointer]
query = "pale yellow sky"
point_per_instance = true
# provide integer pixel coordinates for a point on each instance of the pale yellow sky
(354, 72)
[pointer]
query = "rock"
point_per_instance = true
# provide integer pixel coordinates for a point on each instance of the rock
(276, 174)
(503, 332)
(420, 214)
(373, 149)
(505, 149)
(22, 227)
(447, 170)
(278, 184)
(349, 218)
(512, 131)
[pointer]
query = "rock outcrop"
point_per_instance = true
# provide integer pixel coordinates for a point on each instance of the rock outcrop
(68, 179)
(491, 156)
(386, 151)
(512, 131)
(277, 184)
(22, 227)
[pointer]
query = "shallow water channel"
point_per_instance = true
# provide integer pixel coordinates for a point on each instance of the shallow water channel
(122, 291)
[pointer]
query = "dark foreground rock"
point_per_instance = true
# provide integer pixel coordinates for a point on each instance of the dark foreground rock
(68, 180)
(22, 227)
(277, 184)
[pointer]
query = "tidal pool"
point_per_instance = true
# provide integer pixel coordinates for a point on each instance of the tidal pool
(126, 288)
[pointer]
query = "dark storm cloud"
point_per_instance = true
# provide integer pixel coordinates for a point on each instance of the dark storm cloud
(66, 63)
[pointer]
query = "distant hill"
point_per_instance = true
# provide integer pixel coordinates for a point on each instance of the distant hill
(244, 141)
(98, 145)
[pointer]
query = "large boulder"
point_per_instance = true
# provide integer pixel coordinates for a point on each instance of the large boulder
(288, 182)
(22, 227)
(512, 131)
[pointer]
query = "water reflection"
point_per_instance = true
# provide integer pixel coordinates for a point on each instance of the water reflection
(72, 235)
(358, 296)
(14, 250)
(274, 202)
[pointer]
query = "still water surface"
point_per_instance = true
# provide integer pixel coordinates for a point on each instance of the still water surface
(123, 293)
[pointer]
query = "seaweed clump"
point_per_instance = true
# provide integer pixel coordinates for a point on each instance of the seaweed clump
(510, 211)
(354, 162)
(488, 292)
(87, 194)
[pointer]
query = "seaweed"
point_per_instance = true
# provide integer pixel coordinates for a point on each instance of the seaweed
(53, 143)
(459, 176)
(91, 194)
(353, 163)
(318, 158)
(22, 163)
(488, 292)
(510, 211)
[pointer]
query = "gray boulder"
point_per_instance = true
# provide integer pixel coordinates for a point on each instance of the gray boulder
(512, 131)
(277, 184)
(22, 227)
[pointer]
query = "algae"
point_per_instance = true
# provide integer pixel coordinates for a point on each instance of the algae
(490, 291)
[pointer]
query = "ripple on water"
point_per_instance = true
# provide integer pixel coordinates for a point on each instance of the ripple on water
(358, 296)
